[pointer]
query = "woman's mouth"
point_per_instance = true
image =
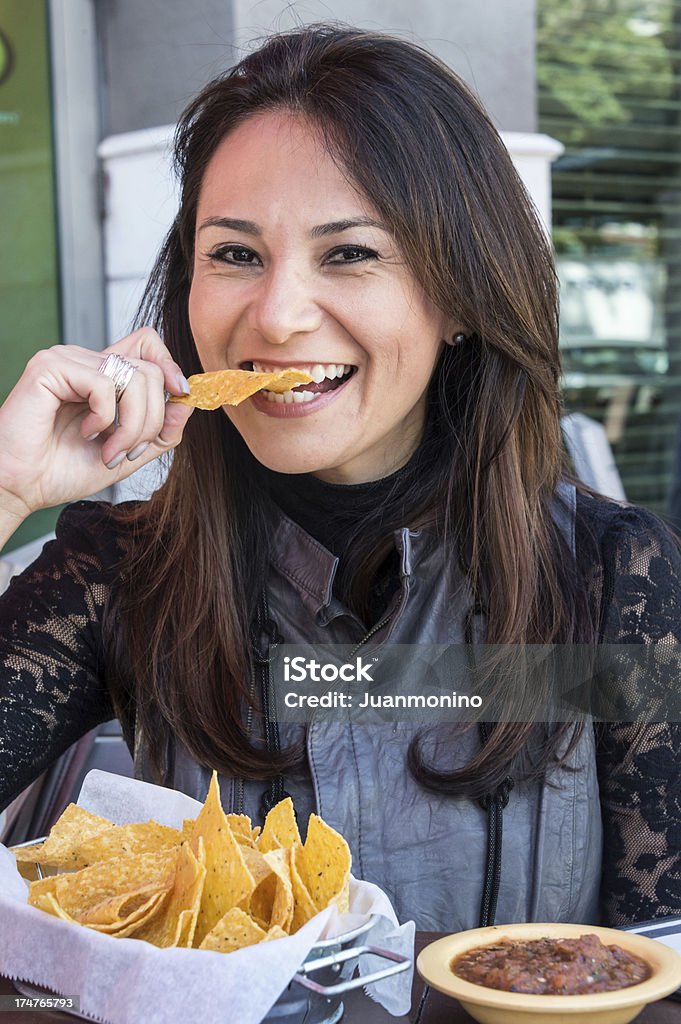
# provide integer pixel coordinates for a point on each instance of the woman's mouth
(327, 377)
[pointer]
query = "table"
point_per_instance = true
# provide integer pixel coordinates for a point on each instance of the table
(436, 1009)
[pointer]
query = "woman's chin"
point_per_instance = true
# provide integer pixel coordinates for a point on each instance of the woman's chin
(292, 463)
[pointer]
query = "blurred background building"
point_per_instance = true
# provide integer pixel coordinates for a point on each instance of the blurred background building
(586, 94)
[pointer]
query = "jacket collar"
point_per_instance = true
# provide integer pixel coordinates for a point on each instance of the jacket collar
(311, 568)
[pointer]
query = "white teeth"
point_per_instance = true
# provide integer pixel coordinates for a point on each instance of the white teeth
(296, 397)
(318, 371)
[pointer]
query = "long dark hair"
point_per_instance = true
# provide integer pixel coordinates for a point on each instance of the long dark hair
(416, 142)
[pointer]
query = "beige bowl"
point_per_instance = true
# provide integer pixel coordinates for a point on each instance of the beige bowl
(492, 1006)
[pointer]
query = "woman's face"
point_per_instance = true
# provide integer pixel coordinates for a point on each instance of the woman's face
(293, 270)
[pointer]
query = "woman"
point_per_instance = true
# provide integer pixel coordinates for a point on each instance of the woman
(346, 207)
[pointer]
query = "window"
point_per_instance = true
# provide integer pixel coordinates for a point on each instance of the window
(609, 85)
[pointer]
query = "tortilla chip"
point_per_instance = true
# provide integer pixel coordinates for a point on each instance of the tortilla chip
(177, 925)
(188, 828)
(135, 920)
(37, 891)
(275, 932)
(230, 387)
(256, 864)
(186, 926)
(73, 828)
(240, 825)
(280, 829)
(304, 907)
(324, 864)
(113, 911)
(27, 854)
(342, 901)
(228, 880)
(52, 906)
(233, 931)
(283, 904)
(262, 897)
(79, 892)
(120, 931)
(122, 840)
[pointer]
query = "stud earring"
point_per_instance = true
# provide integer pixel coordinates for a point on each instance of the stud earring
(458, 339)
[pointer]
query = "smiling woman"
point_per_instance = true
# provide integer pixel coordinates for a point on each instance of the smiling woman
(416, 493)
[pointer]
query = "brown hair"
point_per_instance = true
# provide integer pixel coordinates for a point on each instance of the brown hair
(417, 143)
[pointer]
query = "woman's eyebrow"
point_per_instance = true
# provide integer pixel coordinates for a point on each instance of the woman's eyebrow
(245, 226)
(248, 227)
(344, 225)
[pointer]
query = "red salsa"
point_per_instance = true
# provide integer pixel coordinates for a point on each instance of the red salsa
(552, 967)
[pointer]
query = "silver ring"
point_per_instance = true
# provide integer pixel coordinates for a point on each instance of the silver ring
(119, 370)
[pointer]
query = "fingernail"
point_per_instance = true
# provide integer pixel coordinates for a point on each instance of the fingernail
(116, 461)
(92, 436)
(135, 452)
(183, 383)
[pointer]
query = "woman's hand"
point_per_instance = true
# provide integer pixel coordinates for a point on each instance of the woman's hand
(58, 437)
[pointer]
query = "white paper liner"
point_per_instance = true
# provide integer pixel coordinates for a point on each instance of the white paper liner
(122, 981)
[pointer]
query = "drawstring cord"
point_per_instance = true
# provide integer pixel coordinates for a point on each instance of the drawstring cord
(493, 804)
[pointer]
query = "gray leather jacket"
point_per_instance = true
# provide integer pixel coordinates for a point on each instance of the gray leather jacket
(428, 852)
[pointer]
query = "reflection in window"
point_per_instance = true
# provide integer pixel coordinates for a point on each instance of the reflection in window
(609, 80)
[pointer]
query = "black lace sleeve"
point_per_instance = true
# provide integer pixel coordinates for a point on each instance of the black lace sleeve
(639, 764)
(51, 689)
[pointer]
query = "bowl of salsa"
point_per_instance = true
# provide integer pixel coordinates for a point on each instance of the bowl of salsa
(562, 973)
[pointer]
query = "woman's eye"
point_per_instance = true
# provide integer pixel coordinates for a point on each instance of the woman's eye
(234, 254)
(351, 254)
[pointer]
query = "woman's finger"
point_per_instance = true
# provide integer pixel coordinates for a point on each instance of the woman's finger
(176, 416)
(146, 344)
(141, 414)
(169, 438)
(131, 418)
(68, 380)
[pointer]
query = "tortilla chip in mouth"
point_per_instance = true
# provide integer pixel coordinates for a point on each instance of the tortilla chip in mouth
(231, 387)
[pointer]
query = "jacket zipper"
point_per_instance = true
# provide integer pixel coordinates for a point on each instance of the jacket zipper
(239, 782)
(239, 801)
(371, 632)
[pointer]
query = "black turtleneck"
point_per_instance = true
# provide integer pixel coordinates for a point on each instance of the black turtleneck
(332, 512)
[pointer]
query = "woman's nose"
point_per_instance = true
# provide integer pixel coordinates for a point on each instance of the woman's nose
(284, 303)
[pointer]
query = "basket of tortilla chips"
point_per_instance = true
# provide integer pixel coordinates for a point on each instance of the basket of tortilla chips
(216, 884)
